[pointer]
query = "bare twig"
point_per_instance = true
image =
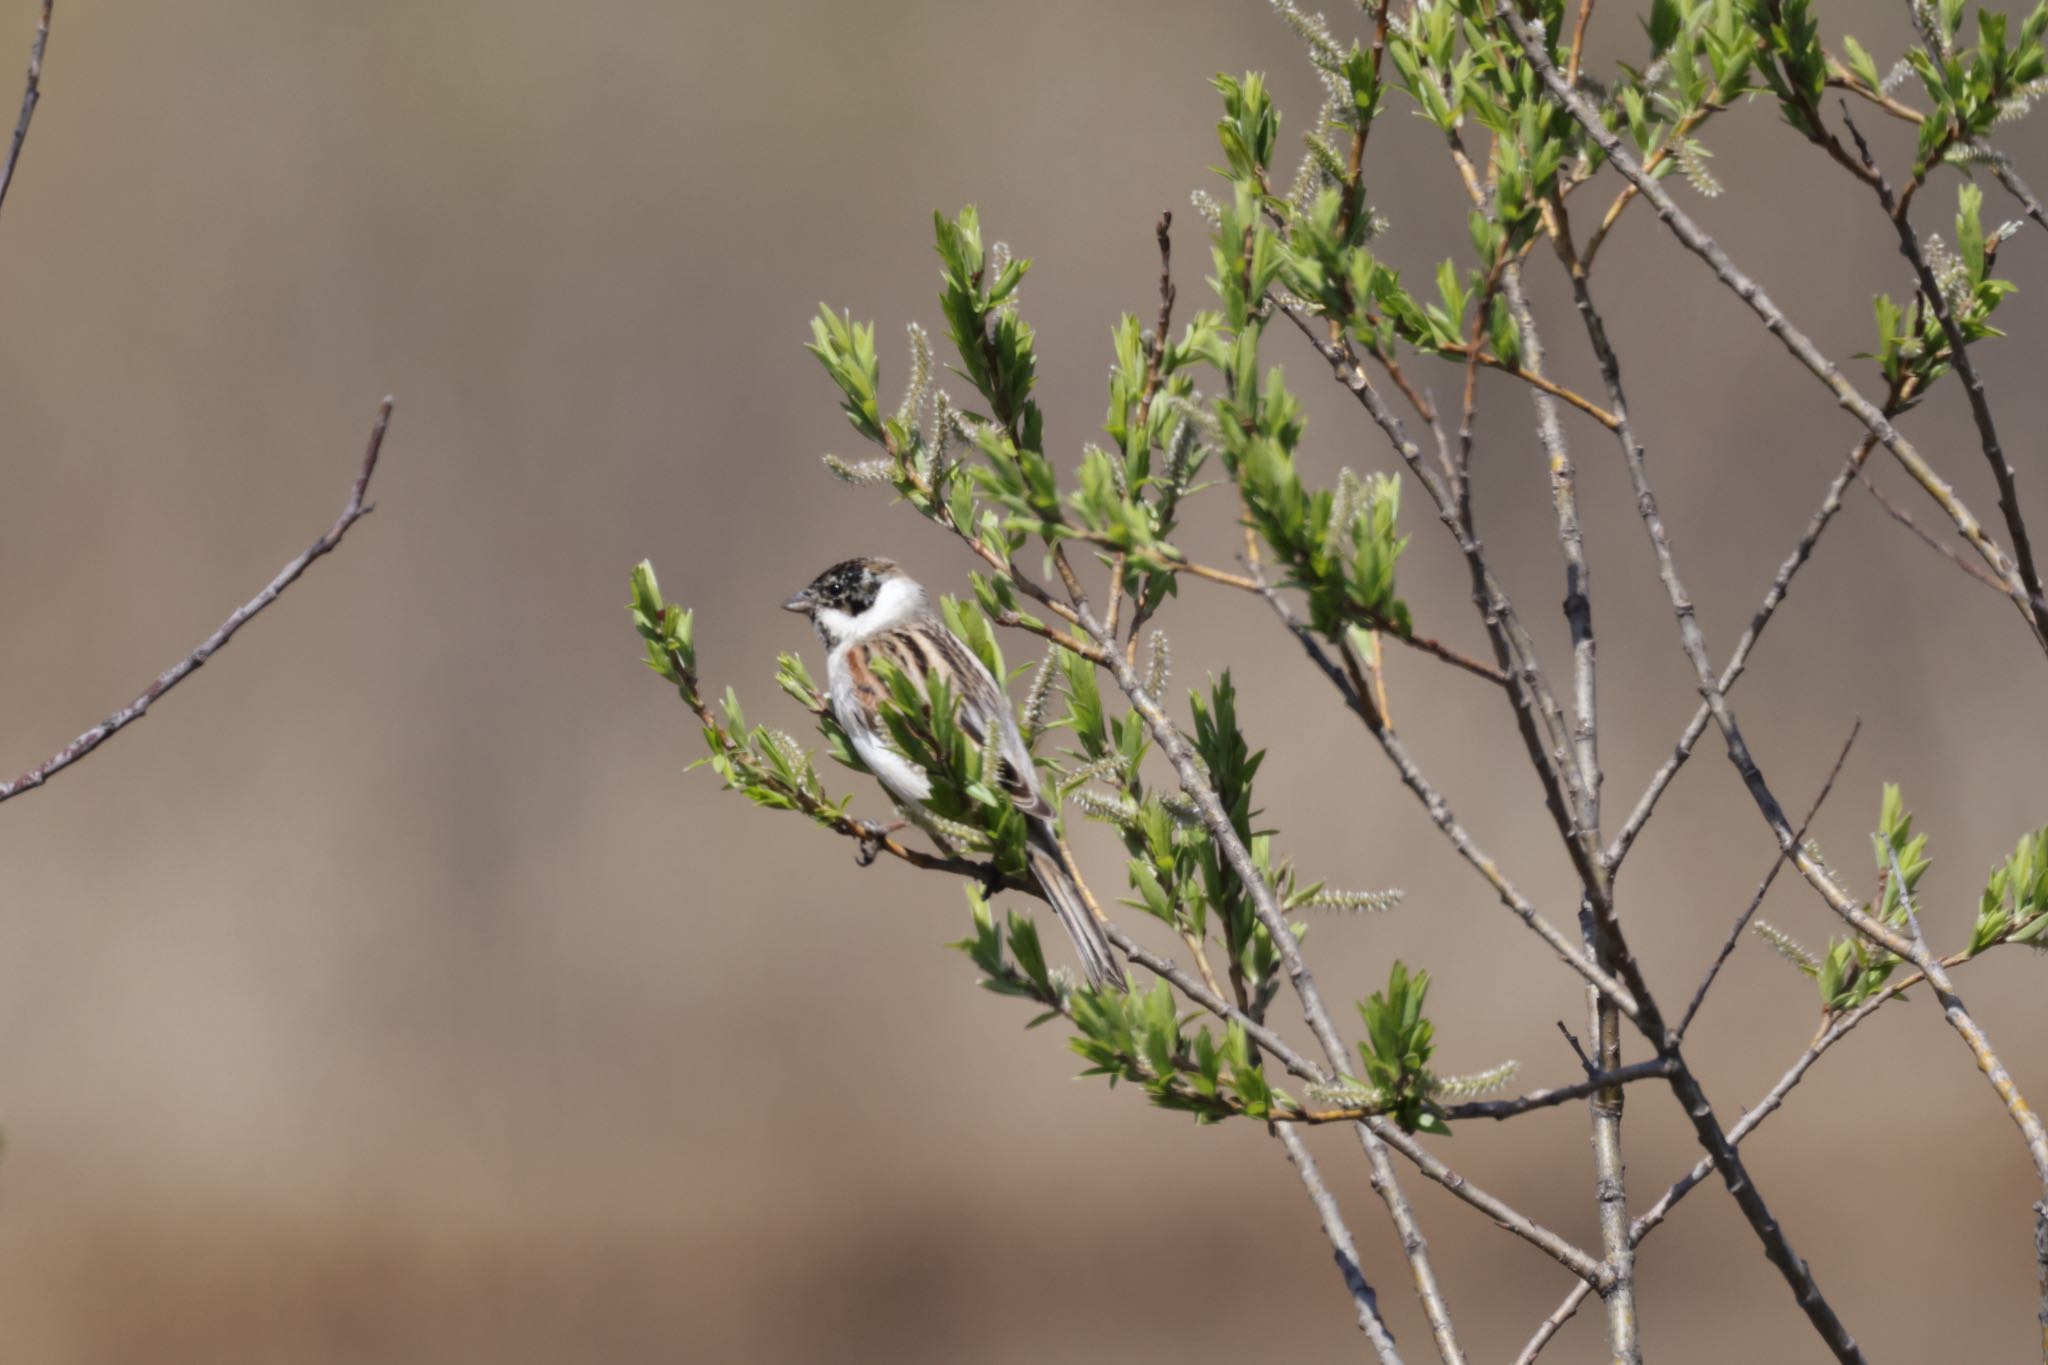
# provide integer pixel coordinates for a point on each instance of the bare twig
(352, 512)
(1830, 503)
(1905, 519)
(2017, 188)
(1343, 1248)
(1699, 996)
(31, 95)
(1610, 1176)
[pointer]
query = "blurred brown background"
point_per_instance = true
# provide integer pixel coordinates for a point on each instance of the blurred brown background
(393, 995)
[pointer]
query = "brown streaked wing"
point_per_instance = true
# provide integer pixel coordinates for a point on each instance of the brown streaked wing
(981, 696)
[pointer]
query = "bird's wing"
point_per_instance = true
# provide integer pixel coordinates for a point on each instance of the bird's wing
(982, 702)
(928, 647)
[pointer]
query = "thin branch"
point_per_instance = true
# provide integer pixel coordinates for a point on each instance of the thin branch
(1578, 41)
(1342, 1247)
(1441, 815)
(1841, 78)
(1436, 649)
(1543, 1099)
(1550, 1325)
(31, 95)
(1905, 519)
(1266, 906)
(1896, 209)
(1656, 1068)
(1774, 319)
(1777, 1247)
(1538, 716)
(1550, 388)
(1566, 1254)
(1830, 503)
(352, 512)
(2017, 188)
(1610, 1174)
(1699, 996)
(1835, 1030)
(1155, 365)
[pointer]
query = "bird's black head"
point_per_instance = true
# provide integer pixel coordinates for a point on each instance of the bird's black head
(849, 587)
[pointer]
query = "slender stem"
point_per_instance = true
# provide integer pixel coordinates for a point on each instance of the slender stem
(2017, 188)
(354, 510)
(1920, 533)
(1830, 504)
(1342, 1247)
(1699, 996)
(31, 95)
(1578, 41)
(1610, 1176)
(1537, 380)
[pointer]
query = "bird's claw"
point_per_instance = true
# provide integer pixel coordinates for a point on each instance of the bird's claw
(872, 836)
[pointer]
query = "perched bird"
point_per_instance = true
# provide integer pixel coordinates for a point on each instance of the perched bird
(867, 610)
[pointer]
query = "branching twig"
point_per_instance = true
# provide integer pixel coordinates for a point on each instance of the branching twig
(1896, 208)
(1342, 1247)
(1441, 815)
(1267, 908)
(1699, 996)
(1777, 1247)
(1830, 503)
(1802, 347)
(353, 511)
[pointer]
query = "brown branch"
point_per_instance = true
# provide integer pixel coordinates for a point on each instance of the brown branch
(1905, 519)
(31, 95)
(352, 512)
(1535, 380)
(1571, 69)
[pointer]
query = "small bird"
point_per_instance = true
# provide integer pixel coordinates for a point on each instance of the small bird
(867, 610)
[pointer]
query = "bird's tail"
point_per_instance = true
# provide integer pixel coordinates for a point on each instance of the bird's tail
(1097, 960)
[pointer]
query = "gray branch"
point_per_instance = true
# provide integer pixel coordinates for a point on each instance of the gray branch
(353, 511)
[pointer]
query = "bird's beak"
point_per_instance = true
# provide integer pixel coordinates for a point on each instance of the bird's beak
(800, 603)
